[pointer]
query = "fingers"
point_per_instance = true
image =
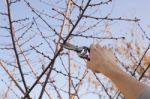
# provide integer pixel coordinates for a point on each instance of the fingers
(94, 46)
(91, 66)
(94, 54)
(97, 45)
(88, 64)
(92, 49)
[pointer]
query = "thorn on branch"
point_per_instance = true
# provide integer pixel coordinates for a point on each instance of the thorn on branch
(20, 37)
(15, 21)
(65, 74)
(11, 2)
(63, 16)
(144, 72)
(41, 53)
(1, 13)
(6, 48)
(112, 19)
(96, 37)
(4, 27)
(100, 3)
(80, 8)
(30, 49)
(143, 31)
(141, 60)
(35, 12)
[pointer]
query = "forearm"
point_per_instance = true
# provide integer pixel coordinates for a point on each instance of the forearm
(130, 87)
(103, 60)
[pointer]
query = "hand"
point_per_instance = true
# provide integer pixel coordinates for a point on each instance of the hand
(101, 59)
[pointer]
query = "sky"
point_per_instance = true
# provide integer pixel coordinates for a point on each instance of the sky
(118, 8)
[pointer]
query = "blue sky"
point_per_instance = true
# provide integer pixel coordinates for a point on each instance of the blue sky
(118, 8)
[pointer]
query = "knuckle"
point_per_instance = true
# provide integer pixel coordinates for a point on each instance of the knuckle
(91, 46)
(97, 45)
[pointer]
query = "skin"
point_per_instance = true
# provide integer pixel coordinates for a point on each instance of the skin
(102, 60)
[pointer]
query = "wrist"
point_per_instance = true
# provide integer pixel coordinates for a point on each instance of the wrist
(114, 71)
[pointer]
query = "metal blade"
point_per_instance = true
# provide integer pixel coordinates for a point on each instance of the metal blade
(70, 47)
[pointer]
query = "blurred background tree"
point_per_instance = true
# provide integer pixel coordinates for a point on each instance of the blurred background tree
(34, 65)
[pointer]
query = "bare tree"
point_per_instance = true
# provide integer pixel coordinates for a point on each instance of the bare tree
(35, 66)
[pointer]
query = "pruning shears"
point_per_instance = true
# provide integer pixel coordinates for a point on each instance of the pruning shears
(83, 51)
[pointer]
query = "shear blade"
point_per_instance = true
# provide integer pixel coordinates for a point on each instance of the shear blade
(71, 47)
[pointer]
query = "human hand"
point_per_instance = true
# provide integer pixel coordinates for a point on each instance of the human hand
(101, 59)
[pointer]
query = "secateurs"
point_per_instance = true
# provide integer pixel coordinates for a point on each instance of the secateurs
(83, 52)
